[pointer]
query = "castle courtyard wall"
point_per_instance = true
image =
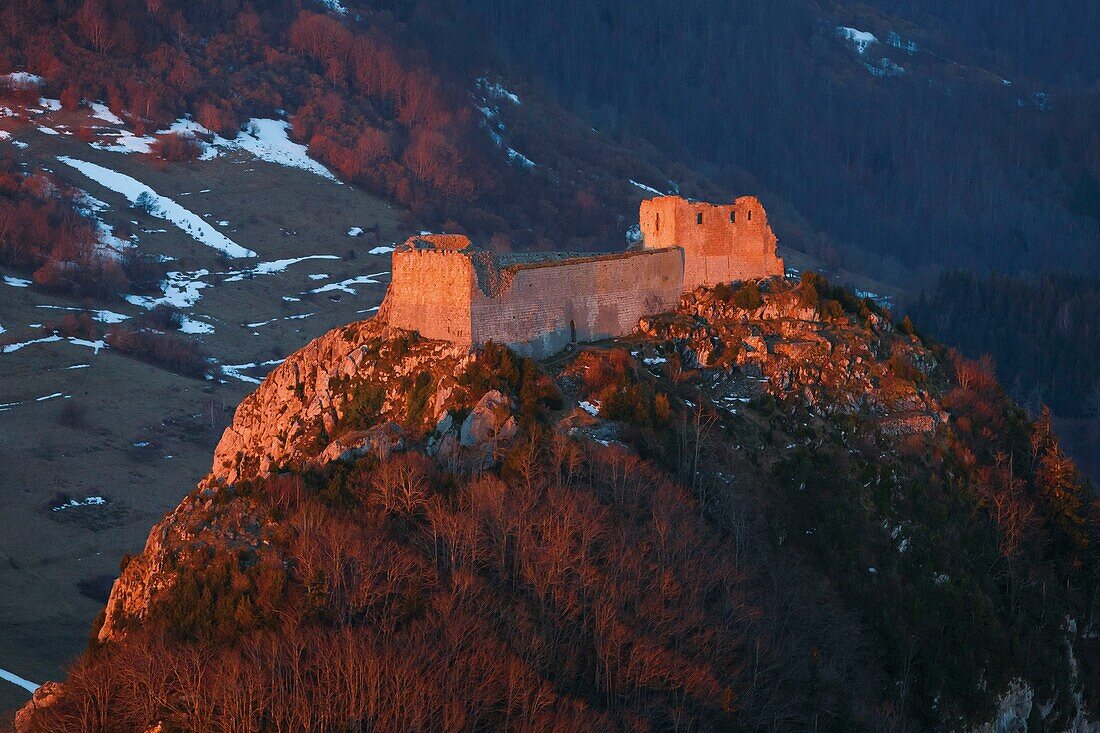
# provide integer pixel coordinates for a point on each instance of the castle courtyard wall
(547, 306)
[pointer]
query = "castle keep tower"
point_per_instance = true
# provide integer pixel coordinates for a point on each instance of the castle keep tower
(721, 243)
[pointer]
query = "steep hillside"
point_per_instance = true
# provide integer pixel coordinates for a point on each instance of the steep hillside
(774, 508)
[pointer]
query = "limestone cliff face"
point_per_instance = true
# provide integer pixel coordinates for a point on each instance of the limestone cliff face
(198, 525)
(295, 418)
(296, 413)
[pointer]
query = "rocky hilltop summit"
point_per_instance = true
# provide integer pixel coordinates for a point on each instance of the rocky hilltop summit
(773, 507)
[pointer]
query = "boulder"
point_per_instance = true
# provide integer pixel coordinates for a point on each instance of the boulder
(381, 440)
(491, 420)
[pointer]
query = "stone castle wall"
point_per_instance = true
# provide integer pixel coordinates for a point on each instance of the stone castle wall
(539, 303)
(721, 243)
(549, 305)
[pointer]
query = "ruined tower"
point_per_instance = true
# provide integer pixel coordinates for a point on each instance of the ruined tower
(721, 242)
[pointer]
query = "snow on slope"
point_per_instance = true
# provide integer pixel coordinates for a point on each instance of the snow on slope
(275, 266)
(23, 80)
(335, 6)
(165, 207)
(17, 680)
(860, 40)
(345, 285)
(268, 140)
(181, 291)
(102, 112)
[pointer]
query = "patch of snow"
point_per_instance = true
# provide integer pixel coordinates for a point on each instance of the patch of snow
(298, 317)
(108, 243)
(23, 80)
(647, 189)
(223, 223)
(14, 678)
(181, 290)
(381, 250)
(270, 268)
(50, 105)
(5, 135)
(652, 360)
(53, 396)
(89, 204)
(496, 91)
(319, 276)
(268, 140)
(234, 370)
(47, 130)
(335, 6)
(291, 299)
(74, 503)
(592, 409)
(9, 348)
(102, 112)
(106, 316)
(355, 231)
(78, 366)
(345, 285)
(191, 326)
(17, 282)
(103, 316)
(859, 40)
(95, 346)
(127, 142)
(166, 208)
(20, 144)
(634, 234)
(517, 158)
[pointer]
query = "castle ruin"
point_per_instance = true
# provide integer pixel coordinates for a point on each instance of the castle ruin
(540, 302)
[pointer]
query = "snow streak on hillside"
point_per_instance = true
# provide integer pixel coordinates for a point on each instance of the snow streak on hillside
(159, 206)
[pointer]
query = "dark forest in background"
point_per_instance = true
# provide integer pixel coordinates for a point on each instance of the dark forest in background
(945, 165)
(1043, 334)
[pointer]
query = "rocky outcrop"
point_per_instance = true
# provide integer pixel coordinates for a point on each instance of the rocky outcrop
(839, 364)
(297, 413)
(491, 420)
(473, 444)
(200, 524)
(380, 441)
(44, 697)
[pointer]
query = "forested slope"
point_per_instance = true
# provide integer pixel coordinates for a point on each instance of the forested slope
(773, 509)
